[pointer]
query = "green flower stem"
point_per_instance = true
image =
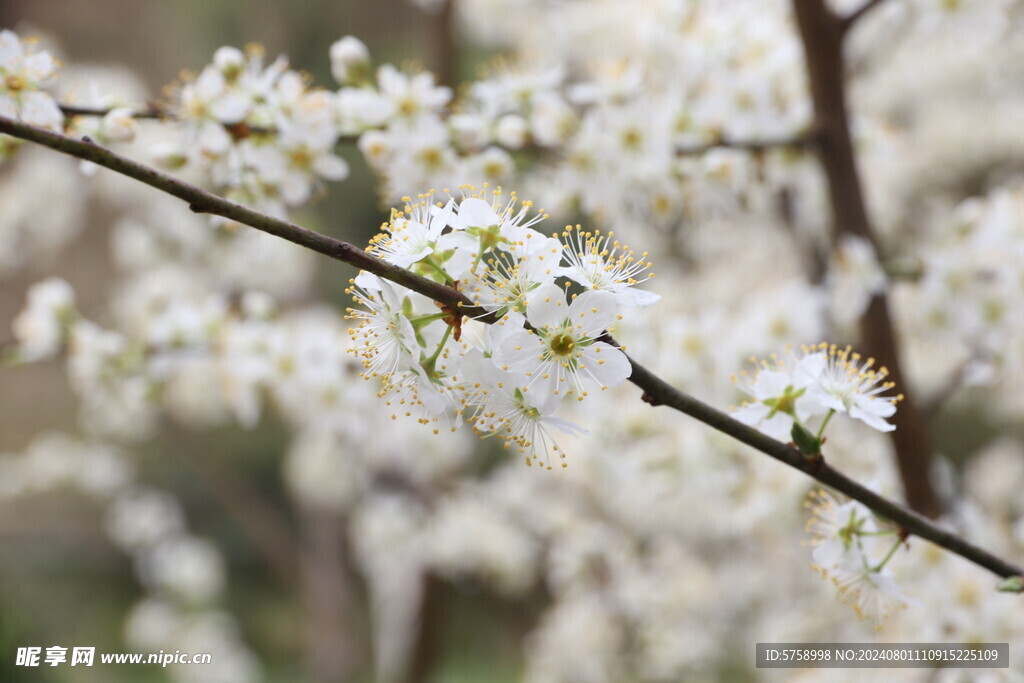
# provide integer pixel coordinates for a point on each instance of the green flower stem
(421, 320)
(429, 363)
(885, 560)
(821, 430)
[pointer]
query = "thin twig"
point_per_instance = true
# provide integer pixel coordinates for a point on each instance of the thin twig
(656, 390)
(853, 17)
(794, 142)
(151, 113)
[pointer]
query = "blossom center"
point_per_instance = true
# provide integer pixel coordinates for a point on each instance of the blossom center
(562, 344)
(14, 83)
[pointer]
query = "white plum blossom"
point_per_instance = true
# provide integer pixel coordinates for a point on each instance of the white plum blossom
(350, 60)
(778, 390)
(850, 550)
(600, 262)
(509, 379)
(23, 70)
(849, 385)
(562, 354)
(41, 328)
(818, 380)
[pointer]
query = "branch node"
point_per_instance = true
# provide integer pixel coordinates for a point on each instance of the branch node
(651, 400)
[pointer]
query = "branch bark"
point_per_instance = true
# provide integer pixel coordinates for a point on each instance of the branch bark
(821, 32)
(655, 390)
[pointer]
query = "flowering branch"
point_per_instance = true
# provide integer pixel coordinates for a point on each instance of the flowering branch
(799, 141)
(656, 390)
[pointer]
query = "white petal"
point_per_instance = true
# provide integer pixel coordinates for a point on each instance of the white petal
(41, 110)
(546, 307)
(608, 365)
(476, 213)
(593, 311)
(631, 296)
(11, 51)
(40, 66)
(331, 167)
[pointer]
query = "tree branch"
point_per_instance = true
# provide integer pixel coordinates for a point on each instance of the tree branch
(821, 32)
(853, 17)
(794, 142)
(656, 390)
(151, 113)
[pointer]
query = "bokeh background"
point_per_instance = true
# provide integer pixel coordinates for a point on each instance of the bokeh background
(383, 553)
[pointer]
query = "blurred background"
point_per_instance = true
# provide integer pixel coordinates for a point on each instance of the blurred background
(370, 550)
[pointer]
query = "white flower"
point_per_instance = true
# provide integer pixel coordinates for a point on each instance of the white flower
(118, 125)
(522, 420)
(350, 60)
(847, 385)
(22, 72)
(562, 355)
(779, 389)
(849, 550)
(411, 96)
(384, 337)
(837, 529)
(871, 593)
(600, 262)
(411, 234)
(41, 328)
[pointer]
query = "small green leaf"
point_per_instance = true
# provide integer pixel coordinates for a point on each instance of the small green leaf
(1012, 584)
(804, 440)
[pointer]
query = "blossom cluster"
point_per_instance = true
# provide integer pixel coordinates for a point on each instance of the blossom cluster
(255, 130)
(852, 550)
(547, 341)
(790, 391)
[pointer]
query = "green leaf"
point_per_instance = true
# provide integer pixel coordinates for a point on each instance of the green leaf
(1012, 584)
(808, 443)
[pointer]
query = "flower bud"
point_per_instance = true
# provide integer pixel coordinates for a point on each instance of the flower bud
(350, 61)
(229, 61)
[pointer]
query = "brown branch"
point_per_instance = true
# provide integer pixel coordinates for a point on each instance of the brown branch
(847, 22)
(201, 201)
(151, 113)
(656, 390)
(755, 146)
(821, 32)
